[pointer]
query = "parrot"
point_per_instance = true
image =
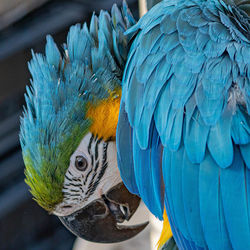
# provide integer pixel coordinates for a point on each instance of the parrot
(183, 134)
(68, 129)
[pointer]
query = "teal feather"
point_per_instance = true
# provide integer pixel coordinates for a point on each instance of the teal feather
(150, 187)
(202, 39)
(235, 201)
(220, 142)
(210, 109)
(166, 174)
(148, 104)
(125, 150)
(177, 191)
(196, 131)
(173, 131)
(52, 53)
(190, 189)
(169, 27)
(240, 129)
(211, 207)
(164, 105)
(244, 149)
(170, 42)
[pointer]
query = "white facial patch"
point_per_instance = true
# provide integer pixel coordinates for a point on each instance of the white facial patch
(84, 185)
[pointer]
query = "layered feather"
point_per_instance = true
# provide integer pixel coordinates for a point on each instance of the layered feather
(187, 74)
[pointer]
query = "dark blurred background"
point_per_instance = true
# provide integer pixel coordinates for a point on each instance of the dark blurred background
(24, 25)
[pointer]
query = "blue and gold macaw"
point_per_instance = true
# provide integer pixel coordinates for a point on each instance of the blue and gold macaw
(183, 135)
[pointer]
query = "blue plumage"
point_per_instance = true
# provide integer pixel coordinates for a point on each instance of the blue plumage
(235, 199)
(188, 74)
(125, 155)
(176, 191)
(190, 188)
(147, 162)
(212, 216)
(195, 133)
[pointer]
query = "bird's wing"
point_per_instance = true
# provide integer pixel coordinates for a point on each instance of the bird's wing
(183, 134)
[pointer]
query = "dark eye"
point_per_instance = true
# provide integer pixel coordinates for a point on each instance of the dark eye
(81, 163)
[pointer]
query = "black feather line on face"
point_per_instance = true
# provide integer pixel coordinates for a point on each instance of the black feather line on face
(72, 184)
(96, 166)
(96, 148)
(90, 143)
(103, 168)
(92, 159)
(69, 179)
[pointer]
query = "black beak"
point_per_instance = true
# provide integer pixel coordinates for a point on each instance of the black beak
(97, 222)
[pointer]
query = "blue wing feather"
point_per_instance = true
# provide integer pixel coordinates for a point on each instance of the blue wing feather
(147, 162)
(241, 127)
(124, 144)
(166, 173)
(176, 190)
(163, 106)
(181, 241)
(210, 109)
(234, 197)
(133, 104)
(195, 131)
(212, 216)
(245, 152)
(176, 131)
(190, 189)
(220, 142)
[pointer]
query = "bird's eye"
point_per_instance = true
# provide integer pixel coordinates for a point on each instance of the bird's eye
(81, 163)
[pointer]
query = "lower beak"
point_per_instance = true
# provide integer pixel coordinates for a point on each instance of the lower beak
(97, 222)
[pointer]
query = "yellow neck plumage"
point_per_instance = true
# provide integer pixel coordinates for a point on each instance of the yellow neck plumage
(104, 116)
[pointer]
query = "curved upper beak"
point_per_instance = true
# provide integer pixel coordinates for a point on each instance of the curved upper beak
(97, 221)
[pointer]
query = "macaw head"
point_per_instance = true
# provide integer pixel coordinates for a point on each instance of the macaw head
(68, 130)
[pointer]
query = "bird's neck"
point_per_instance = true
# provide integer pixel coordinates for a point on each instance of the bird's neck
(104, 116)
